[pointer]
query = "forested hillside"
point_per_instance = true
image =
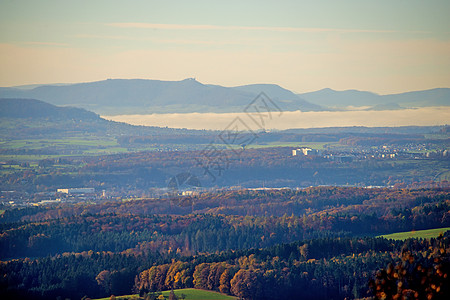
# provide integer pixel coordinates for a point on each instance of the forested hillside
(252, 244)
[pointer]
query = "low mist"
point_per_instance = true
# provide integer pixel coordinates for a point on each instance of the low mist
(428, 116)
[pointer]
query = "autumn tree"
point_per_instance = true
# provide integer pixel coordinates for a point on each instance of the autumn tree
(104, 279)
(415, 276)
(224, 286)
(246, 284)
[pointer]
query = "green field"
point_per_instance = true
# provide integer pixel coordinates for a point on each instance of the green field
(424, 234)
(22, 150)
(55, 148)
(40, 143)
(190, 294)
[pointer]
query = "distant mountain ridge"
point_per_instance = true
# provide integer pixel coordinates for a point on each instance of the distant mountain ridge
(141, 96)
(340, 99)
(144, 96)
(279, 95)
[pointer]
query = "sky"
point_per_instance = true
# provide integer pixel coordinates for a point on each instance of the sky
(380, 46)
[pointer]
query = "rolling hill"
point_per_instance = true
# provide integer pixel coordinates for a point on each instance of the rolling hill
(32, 108)
(31, 118)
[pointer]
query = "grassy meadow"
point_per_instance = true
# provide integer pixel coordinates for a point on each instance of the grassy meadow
(425, 234)
(189, 294)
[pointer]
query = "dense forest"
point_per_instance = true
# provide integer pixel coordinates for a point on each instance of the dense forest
(314, 243)
(317, 269)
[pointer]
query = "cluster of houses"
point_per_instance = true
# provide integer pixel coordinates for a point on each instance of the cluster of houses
(383, 152)
(306, 151)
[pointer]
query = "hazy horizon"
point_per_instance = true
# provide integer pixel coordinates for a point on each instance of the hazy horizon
(33, 85)
(384, 47)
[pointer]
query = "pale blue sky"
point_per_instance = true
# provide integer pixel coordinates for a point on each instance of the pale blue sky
(380, 46)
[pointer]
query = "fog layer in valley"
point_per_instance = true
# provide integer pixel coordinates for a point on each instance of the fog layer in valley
(422, 117)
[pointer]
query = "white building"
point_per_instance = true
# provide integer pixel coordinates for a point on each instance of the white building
(306, 151)
(76, 191)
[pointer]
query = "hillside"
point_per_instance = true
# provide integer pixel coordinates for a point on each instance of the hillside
(33, 119)
(138, 96)
(31, 108)
(272, 244)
